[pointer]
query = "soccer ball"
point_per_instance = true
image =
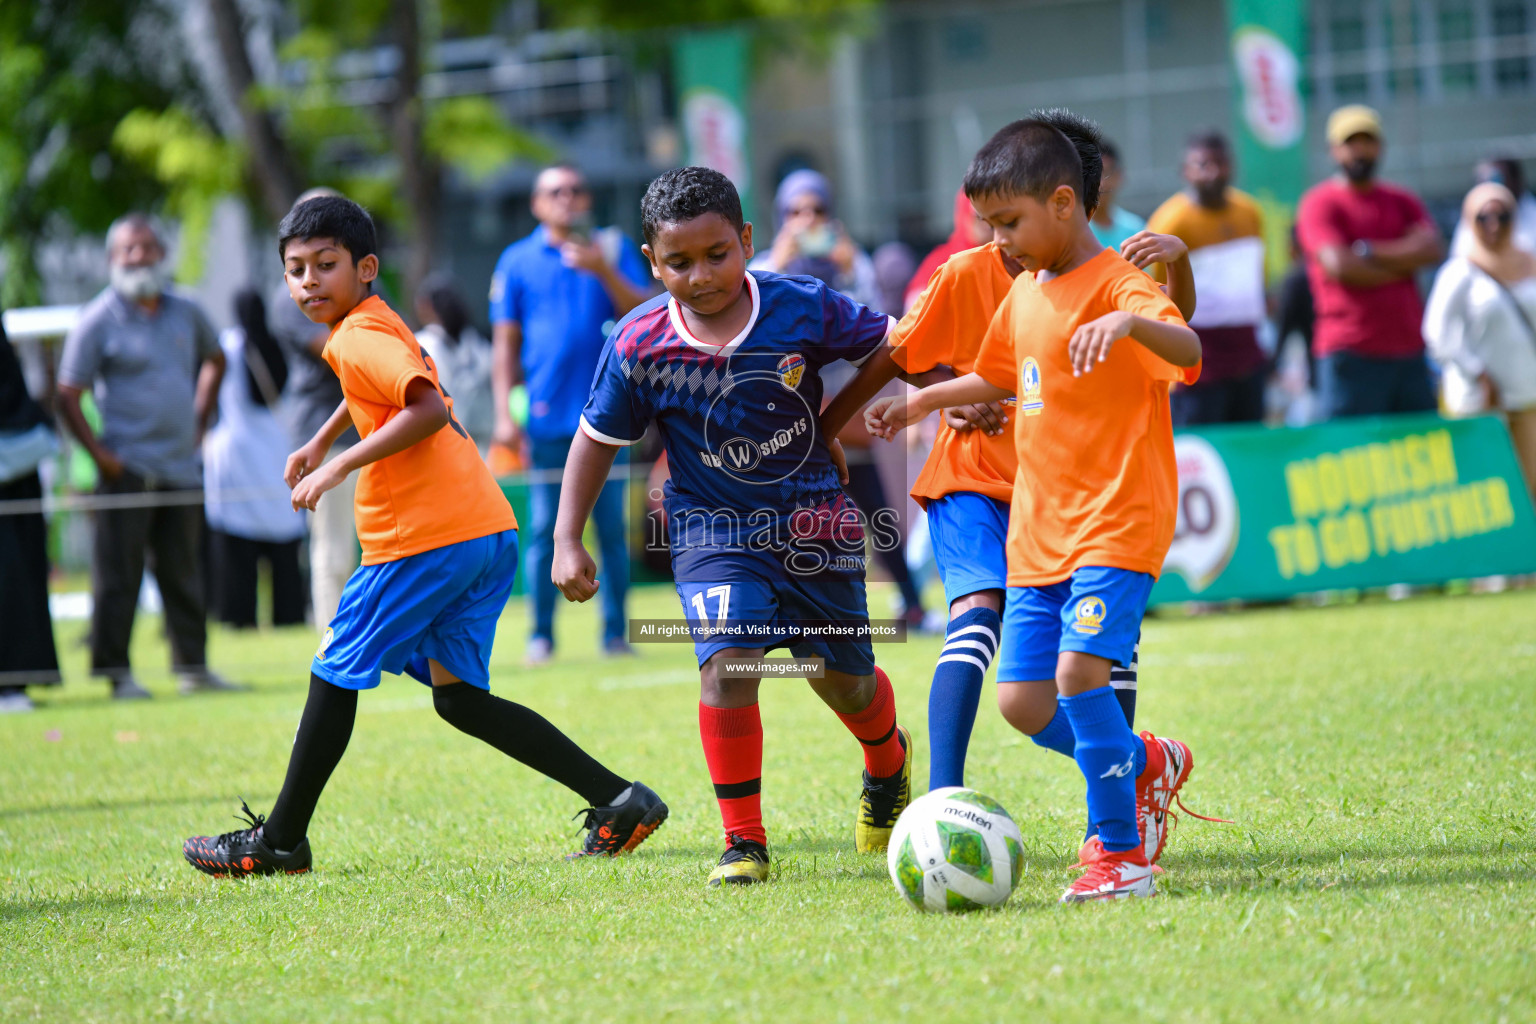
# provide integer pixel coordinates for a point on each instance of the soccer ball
(954, 850)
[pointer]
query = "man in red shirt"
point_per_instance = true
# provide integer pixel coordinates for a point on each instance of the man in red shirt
(1363, 241)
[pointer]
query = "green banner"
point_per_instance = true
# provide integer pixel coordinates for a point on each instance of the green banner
(712, 70)
(1268, 513)
(1268, 45)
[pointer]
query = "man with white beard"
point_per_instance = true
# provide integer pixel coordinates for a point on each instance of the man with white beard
(154, 363)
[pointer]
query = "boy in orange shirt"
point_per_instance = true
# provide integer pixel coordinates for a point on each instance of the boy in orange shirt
(966, 484)
(439, 555)
(1089, 345)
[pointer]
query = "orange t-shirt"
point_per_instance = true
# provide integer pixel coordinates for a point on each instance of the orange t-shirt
(945, 326)
(436, 492)
(1096, 484)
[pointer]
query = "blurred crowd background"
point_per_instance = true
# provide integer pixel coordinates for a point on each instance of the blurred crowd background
(147, 147)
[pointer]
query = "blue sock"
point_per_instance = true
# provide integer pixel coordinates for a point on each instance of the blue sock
(969, 646)
(1057, 735)
(1127, 699)
(1105, 752)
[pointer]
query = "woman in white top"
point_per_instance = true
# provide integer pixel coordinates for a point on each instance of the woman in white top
(1480, 323)
(462, 356)
(250, 513)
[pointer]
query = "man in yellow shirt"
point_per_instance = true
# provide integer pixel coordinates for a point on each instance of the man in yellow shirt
(1224, 231)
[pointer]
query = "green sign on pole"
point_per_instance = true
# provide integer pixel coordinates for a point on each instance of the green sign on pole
(1268, 44)
(1267, 513)
(713, 71)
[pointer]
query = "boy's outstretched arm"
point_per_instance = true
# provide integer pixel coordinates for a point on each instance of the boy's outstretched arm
(1145, 248)
(878, 371)
(1090, 344)
(586, 470)
(423, 415)
(889, 416)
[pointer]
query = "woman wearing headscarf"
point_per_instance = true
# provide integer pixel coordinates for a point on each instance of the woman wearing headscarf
(811, 242)
(1480, 322)
(27, 654)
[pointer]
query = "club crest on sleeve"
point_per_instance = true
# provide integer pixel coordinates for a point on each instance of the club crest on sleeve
(1029, 387)
(1088, 618)
(791, 369)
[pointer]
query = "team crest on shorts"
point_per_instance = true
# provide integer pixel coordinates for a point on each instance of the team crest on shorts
(1089, 616)
(325, 642)
(1029, 387)
(791, 369)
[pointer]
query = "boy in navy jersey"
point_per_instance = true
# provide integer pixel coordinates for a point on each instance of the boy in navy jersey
(765, 545)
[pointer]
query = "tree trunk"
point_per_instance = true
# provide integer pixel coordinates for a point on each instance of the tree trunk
(420, 173)
(269, 160)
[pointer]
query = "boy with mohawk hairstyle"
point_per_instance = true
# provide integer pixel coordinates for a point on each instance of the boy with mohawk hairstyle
(966, 484)
(764, 542)
(1088, 344)
(439, 555)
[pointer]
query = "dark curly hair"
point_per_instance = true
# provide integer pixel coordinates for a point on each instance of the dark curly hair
(335, 217)
(1036, 155)
(686, 193)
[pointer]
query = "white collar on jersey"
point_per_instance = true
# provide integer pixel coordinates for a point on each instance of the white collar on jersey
(681, 328)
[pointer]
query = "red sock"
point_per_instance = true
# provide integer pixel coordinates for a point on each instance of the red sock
(875, 727)
(733, 749)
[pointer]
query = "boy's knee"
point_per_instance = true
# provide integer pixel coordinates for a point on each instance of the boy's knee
(1027, 707)
(1077, 672)
(718, 690)
(457, 703)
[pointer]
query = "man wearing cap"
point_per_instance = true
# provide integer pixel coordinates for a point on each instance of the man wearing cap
(1363, 241)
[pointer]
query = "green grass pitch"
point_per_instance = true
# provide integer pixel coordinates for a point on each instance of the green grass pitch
(1377, 757)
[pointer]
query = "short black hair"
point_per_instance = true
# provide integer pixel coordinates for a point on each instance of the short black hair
(686, 193)
(1037, 155)
(334, 217)
(1109, 149)
(1210, 139)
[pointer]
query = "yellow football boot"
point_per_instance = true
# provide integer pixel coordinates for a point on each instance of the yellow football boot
(882, 802)
(743, 863)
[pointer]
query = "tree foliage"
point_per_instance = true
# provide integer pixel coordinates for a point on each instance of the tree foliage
(102, 109)
(70, 72)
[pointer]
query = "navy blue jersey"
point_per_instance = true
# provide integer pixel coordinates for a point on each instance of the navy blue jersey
(749, 466)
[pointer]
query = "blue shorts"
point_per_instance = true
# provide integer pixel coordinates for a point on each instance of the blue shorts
(1095, 611)
(969, 533)
(440, 604)
(760, 603)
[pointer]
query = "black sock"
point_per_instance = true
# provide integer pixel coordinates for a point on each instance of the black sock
(323, 733)
(1127, 699)
(527, 736)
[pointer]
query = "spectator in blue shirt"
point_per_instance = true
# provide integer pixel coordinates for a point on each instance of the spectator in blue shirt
(554, 297)
(1112, 225)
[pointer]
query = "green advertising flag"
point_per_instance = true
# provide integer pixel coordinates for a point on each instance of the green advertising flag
(1267, 513)
(1268, 44)
(712, 71)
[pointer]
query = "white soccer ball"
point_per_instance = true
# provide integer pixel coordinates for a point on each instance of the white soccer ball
(953, 850)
